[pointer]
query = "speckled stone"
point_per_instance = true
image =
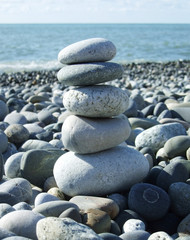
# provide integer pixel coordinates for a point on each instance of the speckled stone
(52, 228)
(17, 133)
(96, 101)
(87, 135)
(133, 225)
(89, 73)
(99, 173)
(155, 137)
(89, 50)
(160, 236)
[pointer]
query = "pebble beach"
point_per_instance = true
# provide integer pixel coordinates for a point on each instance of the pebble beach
(128, 179)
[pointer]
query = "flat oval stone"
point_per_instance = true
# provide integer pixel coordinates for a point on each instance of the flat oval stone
(54, 208)
(90, 202)
(96, 101)
(138, 234)
(177, 146)
(37, 165)
(35, 144)
(149, 201)
(179, 193)
(63, 228)
(21, 222)
(100, 173)
(89, 50)
(19, 187)
(173, 172)
(89, 73)
(17, 133)
(12, 165)
(87, 135)
(144, 123)
(155, 137)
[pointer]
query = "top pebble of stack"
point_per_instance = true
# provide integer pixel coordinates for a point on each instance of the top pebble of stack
(90, 50)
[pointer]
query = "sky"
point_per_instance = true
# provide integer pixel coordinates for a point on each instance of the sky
(94, 11)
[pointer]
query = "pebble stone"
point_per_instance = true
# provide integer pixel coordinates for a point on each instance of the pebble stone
(63, 228)
(133, 225)
(15, 118)
(160, 236)
(3, 110)
(155, 137)
(21, 222)
(149, 201)
(87, 135)
(179, 193)
(4, 142)
(137, 235)
(183, 229)
(104, 174)
(90, 202)
(89, 50)
(84, 74)
(96, 101)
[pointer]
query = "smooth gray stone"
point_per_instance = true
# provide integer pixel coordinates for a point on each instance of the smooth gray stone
(89, 73)
(33, 129)
(179, 193)
(22, 206)
(144, 123)
(109, 236)
(88, 135)
(37, 165)
(15, 117)
(29, 108)
(5, 208)
(139, 100)
(1, 166)
(149, 201)
(44, 197)
(8, 198)
(11, 149)
(183, 112)
(54, 208)
(31, 117)
(3, 110)
(57, 143)
(155, 137)
(177, 146)
(173, 172)
(89, 50)
(164, 114)
(17, 133)
(72, 213)
(148, 110)
(21, 222)
(34, 144)
(96, 101)
(3, 141)
(115, 229)
(132, 109)
(37, 98)
(5, 234)
(120, 199)
(135, 235)
(100, 173)
(159, 108)
(160, 236)
(3, 126)
(12, 165)
(46, 117)
(18, 187)
(52, 228)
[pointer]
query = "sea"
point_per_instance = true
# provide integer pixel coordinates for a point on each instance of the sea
(26, 47)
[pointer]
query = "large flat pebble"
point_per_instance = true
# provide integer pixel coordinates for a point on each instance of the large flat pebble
(89, 73)
(96, 101)
(89, 50)
(100, 173)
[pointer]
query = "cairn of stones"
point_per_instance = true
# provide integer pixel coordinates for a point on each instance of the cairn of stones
(98, 162)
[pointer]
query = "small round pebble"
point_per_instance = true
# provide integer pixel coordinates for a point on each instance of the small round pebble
(160, 236)
(133, 225)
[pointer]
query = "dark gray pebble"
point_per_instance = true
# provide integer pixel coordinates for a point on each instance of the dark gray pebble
(109, 236)
(149, 201)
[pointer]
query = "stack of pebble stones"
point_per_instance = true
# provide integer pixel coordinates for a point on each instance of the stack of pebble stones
(96, 125)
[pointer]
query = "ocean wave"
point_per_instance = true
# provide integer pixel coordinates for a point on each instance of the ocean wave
(19, 66)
